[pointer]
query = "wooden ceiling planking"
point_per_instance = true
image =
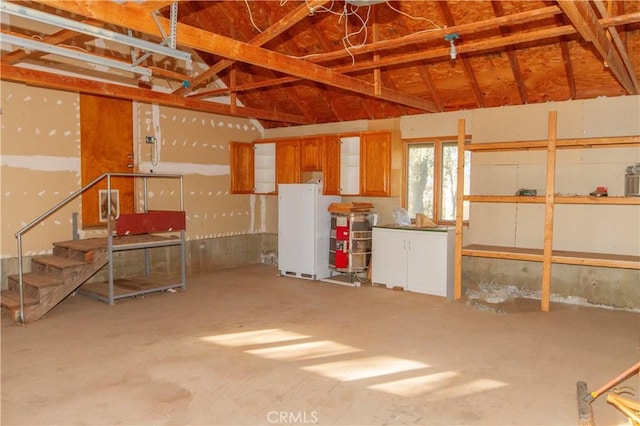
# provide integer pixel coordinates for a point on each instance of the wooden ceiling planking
(591, 75)
(539, 66)
(463, 60)
(308, 40)
(545, 86)
(495, 79)
(509, 53)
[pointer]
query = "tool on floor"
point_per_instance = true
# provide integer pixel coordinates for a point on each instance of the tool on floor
(585, 398)
(629, 407)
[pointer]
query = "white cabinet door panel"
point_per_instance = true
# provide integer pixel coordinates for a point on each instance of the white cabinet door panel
(419, 261)
(427, 263)
(389, 257)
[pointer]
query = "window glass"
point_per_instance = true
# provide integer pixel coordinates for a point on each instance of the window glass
(449, 182)
(420, 179)
(431, 184)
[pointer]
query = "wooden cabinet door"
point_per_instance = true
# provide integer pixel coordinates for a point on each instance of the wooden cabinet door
(375, 164)
(241, 163)
(311, 154)
(331, 165)
(288, 161)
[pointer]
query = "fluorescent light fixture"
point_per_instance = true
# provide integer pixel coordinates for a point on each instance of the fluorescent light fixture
(30, 44)
(91, 30)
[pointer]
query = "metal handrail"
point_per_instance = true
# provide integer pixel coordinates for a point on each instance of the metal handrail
(75, 195)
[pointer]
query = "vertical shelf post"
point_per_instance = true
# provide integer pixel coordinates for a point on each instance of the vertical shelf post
(548, 214)
(457, 283)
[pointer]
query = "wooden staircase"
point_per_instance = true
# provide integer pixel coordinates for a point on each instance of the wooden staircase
(54, 277)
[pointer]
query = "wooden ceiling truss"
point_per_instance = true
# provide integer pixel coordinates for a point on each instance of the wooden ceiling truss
(297, 71)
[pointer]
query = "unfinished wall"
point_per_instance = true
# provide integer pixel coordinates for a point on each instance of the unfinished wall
(609, 229)
(605, 229)
(40, 157)
(41, 166)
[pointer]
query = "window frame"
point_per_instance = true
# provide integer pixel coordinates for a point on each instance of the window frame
(438, 143)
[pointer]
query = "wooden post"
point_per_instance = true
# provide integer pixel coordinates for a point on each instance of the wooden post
(377, 74)
(232, 85)
(457, 283)
(548, 216)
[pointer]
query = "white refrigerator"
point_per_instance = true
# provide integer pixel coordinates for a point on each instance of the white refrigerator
(304, 223)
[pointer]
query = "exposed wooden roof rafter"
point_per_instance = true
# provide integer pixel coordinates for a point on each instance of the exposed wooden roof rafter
(438, 34)
(566, 60)
(425, 75)
(285, 63)
(467, 47)
(50, 80)
(587, 24)
(619, 45)
(513, 59)
(265, 36)
(464, 61)
(196, 38)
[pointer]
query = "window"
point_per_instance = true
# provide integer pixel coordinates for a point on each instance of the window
(431, 180)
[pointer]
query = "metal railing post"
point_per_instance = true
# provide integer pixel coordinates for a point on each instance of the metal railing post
(74, 224)
(73, 196)
(20, 282)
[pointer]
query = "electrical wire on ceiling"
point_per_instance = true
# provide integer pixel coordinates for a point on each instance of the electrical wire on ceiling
(350, 9)
(312, 10)
(246, 2)
(346, 40)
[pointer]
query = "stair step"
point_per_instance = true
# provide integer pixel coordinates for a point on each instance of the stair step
(86, 245)
(58, 262)
(11, 299)
(36, 280)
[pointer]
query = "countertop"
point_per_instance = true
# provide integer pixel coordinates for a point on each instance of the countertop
(440, 228)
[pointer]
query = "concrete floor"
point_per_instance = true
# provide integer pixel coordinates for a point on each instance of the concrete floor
(244, 346)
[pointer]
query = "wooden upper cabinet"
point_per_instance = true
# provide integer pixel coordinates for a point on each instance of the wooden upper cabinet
(241, 163)
(375, 164)
(331, 165)
(311, 154)
(288, 161)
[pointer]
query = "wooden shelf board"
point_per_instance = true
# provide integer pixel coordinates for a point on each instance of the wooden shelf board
(131, 286)
(577, 199)
(596, 259)
(538, 199)
(559, 256)
(560, 143)
(558, 199)
(501, 252)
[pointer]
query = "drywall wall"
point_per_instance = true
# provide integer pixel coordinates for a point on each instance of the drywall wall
(40, 164)
(609, 229)
(618, 116)
(196, 145)
(579, 171)
(605, 229)
(40, 158)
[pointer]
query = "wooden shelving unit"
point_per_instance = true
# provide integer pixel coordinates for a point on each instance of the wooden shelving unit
(558, 199)
(546, 254)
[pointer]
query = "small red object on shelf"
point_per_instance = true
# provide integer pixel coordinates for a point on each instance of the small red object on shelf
(600, 191)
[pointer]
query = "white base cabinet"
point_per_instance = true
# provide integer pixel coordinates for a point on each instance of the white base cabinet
(419, 260)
